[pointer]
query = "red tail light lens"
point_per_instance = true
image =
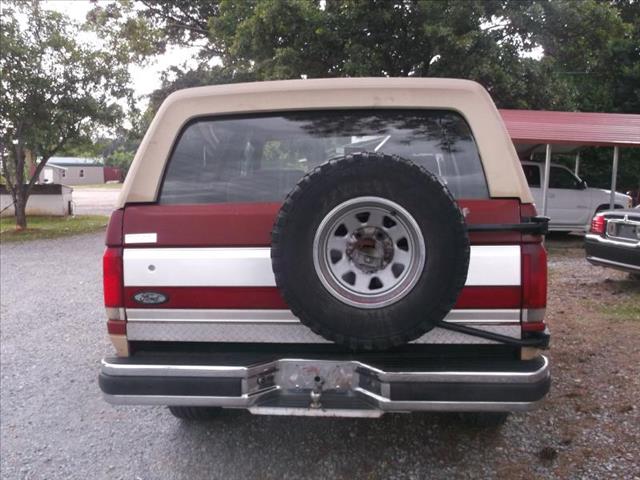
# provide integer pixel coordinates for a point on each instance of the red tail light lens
(534, 276)
(534, 287)
(112, 277)
(598, 224)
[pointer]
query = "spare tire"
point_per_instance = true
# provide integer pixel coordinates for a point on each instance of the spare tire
(370, 251)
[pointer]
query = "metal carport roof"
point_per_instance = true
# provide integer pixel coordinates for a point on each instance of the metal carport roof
(572, 128)
(531, 130)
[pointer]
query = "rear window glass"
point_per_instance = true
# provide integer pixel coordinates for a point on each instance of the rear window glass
(260, 158)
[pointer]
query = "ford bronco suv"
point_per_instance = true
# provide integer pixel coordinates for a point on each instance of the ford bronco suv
(338, 247)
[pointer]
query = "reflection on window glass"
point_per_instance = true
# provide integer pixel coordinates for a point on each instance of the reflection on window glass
(561, 178)
(260, 158)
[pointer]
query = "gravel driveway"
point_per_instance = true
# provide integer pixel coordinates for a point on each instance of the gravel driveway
(94, 201)
(54, 423)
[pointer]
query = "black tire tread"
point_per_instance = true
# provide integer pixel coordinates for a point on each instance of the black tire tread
(195, 413)
(345, 163)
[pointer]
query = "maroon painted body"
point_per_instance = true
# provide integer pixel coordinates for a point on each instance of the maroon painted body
(249, 224)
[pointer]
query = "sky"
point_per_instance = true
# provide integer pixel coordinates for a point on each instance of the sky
(146, 78)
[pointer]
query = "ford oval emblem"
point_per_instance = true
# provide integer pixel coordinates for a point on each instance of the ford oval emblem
(150, 298)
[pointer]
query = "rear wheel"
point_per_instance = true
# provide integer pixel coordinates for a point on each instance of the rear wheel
(195, 413)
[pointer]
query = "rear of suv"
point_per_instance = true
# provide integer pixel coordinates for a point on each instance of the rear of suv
(343, 247)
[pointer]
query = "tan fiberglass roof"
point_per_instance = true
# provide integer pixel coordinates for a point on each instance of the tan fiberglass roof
(500, 160)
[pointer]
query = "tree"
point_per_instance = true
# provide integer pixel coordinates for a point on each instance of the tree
(55, 90)
(589, 60)
(594, 47)
(589, 53)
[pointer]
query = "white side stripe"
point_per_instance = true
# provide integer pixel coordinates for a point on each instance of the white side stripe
(494, 265)
(258, 316)
(251, 267)
(198, 267)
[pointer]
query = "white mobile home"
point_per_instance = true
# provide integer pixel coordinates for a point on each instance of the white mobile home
(73, 171)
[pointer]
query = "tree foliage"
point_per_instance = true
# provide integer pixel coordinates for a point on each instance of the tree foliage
(590, 47)
(55, 90)
(535, 54)
(594, 46)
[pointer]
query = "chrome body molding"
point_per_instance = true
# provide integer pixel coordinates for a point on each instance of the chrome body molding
(173, 370)
(610, 263)
(489, 265)
(281, 326)
(626, 243)
(533, 315)
(401, 407)
(611, 229)
(115, 313)
(211, 315)
(385, 406)
(247, 372)
(351, 388)
(479, 317)
(568, 227)
(476, 316)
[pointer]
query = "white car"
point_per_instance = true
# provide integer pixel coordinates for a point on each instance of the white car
(571, 204)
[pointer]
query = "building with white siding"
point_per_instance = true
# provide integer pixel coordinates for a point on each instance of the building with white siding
(73, 171)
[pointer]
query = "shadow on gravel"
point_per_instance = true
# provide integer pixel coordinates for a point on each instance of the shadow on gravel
(622, 285)
(358, 447)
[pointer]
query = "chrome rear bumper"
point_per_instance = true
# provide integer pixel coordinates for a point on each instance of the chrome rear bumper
(325, 387)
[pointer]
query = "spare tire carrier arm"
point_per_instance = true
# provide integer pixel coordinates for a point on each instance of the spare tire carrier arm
(536, 226)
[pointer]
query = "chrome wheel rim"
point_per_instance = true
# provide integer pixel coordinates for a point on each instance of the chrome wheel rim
(369, 252)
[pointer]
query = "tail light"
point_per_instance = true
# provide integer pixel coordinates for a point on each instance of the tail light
(112, 277)
(598, 224)
(534, 287)
(113, 290)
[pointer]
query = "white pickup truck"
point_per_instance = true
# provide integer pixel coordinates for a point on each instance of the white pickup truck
(571, 203)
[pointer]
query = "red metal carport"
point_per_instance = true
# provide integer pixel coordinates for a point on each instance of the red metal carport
(564, 132)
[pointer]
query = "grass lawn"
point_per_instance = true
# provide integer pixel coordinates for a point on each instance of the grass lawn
(626, 310)
(50, 227)
(627, 306)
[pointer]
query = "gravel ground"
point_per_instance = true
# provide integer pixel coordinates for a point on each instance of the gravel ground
(54, 423)
(94, 201)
